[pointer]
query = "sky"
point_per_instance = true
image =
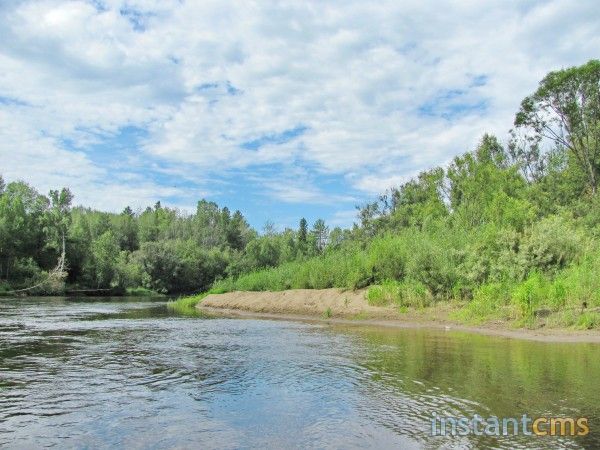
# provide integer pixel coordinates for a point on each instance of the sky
(281, 109)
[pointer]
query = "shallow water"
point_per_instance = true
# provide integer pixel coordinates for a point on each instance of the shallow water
(83, 373)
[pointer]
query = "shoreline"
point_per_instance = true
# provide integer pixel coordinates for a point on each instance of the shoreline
(350, 308)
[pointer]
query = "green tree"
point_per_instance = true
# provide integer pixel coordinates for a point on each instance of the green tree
(105, 251)
(320, 232)
(238, 232)
(303, 236)
(418, 201)
(22, 211)
(59, 215)
(209, 219)
(565, 110)
(483, 189)
(127, 230)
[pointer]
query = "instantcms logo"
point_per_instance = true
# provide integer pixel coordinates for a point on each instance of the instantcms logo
(494, 426)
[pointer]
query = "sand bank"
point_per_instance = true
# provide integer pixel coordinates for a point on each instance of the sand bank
(312, 302)
(350, 307)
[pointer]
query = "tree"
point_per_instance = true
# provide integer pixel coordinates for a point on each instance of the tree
(22, 211)
(60, 217)
(238, 232)
(269, 228)
(127, 229)
(371, 215)
(486, 190)
(208, 220)
(337, 237)
(105, 251)
(565, 110)
(147, 226)
(303, 236)
(321, 234)
(2, 185)
(303, 231)
(419, 201)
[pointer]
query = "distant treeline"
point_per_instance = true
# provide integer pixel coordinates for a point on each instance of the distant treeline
(161, 249)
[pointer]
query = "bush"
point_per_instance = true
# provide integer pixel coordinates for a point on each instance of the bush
(180, 266)
(387, 258)
(431, 262)
(550, 245)
(490, 255)
(27, 272)
(384, 294)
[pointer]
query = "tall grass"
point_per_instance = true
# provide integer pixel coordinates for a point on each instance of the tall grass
(495, 273)
(344, 269)
(185, 305)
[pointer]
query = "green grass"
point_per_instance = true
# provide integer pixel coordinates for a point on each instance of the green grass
(186, 304)
(404, 294)
(349, 268)
(142, 292)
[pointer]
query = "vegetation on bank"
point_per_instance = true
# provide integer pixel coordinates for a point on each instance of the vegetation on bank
(141, 292)
(504, 232)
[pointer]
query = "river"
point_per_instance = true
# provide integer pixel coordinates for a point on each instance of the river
(128, 373)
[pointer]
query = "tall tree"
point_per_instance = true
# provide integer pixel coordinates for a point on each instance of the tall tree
(238, 232)
(302, 237)
(303, 231)
(22, 211)
(60, 218)
(418, 201)
(105, 251)
(127, 229)
(565, 110)
(321, 233)
(269, 228)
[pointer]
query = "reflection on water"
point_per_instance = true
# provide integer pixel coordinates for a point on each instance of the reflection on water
(98, 374)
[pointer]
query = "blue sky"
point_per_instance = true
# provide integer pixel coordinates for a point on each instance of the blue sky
(280, 109)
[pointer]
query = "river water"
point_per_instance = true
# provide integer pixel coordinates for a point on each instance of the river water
(127, 373)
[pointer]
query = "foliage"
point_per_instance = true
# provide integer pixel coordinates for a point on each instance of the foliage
(565, 110)
(551, 244)
(407, 293)
(508, 232)
(185, 304)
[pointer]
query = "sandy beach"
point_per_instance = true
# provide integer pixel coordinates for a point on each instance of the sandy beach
(351, 308)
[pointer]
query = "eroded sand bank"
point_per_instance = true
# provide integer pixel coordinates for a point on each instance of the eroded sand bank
(351, 307)
(312, 302)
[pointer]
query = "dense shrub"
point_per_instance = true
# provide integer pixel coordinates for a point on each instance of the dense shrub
(551, 244)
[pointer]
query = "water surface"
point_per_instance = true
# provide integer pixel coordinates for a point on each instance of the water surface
(104, 373)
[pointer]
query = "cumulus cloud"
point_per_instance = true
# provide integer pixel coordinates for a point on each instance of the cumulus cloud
(370, 93)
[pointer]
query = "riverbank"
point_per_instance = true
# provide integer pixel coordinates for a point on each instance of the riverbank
(351, 307)
(77, 291)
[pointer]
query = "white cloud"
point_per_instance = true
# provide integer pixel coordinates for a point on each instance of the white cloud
(384, 90)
